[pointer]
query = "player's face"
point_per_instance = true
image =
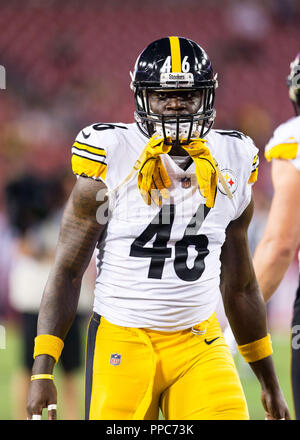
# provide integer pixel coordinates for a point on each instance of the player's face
(178, 102)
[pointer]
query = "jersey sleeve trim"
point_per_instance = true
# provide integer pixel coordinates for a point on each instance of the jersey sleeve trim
(95, 153)
(287, 151)
(86, 167)
(254, 170)
(88, 160)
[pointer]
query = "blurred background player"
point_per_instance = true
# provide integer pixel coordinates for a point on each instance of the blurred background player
(281, 237)
(34, 205)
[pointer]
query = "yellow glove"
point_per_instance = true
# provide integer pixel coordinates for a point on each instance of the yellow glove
(206, 170)
(153, 179)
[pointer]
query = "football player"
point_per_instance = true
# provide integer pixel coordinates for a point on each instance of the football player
(281, 237)
(167, 202)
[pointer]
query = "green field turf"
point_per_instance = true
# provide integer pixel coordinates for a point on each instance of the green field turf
(9, 361)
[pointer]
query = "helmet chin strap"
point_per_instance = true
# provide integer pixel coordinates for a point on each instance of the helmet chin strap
(296, 107)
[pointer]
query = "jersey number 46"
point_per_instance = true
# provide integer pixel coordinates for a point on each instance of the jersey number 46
(161, 227)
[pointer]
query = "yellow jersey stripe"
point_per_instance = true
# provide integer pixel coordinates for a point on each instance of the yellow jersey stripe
(84, 166)
(286, 151)
(175, 54)
(253, 176)
(255, 163)
(88, 156)
(95, 150)
(88, 145)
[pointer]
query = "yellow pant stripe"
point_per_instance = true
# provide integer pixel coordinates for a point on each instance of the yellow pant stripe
(175, 54)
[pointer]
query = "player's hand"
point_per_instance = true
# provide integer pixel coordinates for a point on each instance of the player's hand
(153, 179)
(42, 394)
(274, 404)
(206, 171)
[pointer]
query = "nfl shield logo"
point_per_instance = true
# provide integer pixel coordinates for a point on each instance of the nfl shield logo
(115, 359)
(185, 182)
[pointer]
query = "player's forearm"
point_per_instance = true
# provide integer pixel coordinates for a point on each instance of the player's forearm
(271, 261)
(79, 234)
(59, 303)
(246, 313)
(245, 310)
(243, 301)
(57, 312)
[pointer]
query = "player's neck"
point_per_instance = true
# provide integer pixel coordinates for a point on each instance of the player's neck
(177, 150)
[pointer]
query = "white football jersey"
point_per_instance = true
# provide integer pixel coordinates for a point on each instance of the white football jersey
(285, 144)
(159, 267)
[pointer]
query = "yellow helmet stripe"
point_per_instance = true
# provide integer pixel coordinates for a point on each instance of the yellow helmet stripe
(175, 54)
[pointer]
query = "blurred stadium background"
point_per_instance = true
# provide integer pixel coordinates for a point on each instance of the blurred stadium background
(67, 66)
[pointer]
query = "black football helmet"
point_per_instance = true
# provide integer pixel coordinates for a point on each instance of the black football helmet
(174, 63)
(293, 82)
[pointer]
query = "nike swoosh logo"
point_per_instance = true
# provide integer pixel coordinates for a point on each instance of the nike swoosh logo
(86, 135)
(211, 341)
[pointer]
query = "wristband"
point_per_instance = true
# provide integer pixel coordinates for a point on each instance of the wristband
(42, 376)
(256, 350)
(48, 344)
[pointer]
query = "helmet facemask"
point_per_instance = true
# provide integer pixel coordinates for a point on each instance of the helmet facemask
(180, 128)
(293, 83)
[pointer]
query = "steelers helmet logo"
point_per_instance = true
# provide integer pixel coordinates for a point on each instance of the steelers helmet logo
(230, 179)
